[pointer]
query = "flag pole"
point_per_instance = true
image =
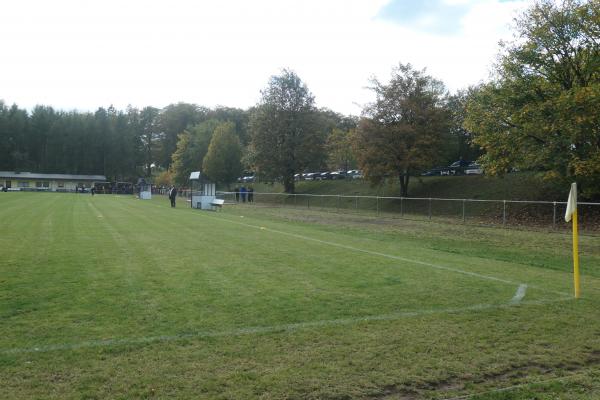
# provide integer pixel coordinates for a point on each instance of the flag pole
(576, 278)
(571, 214)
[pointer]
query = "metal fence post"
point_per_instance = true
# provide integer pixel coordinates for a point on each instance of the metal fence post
(430, 208)
(379, 205)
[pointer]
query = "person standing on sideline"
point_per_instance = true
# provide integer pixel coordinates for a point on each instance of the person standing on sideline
(173, 195)
(250, 194)
(243, 192)
(237, 194)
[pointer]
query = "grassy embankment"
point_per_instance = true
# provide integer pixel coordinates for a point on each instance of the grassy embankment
(517, 186)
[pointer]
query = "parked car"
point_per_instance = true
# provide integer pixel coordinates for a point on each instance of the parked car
(248, 179)
(433, 172)
(460, 164)
(354, 174)
(473, 169)
(458, 167)
(323, 176)
(311, 176)
(338, 175)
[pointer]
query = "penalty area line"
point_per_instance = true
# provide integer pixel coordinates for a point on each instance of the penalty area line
(385, 255)
(284, 328)
(373, 253)
(521, 290)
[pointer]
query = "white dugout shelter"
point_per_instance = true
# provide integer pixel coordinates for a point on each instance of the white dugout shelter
(204, 193)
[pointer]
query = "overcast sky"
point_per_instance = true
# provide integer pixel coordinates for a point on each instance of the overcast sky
(79, 54)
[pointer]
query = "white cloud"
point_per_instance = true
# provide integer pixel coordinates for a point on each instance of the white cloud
(86, 54)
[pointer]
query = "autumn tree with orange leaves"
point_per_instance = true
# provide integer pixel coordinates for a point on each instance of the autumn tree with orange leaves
(404, 131)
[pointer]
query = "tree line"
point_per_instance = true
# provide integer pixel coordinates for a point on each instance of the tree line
(284, 134)
(540, 112)
(119, 144)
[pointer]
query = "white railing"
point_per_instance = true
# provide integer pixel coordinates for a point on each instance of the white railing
(508, 213)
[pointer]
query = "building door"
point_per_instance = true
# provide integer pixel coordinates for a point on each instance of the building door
(8, 184)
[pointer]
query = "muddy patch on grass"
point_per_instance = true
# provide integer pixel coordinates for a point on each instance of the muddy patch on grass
(512, 375)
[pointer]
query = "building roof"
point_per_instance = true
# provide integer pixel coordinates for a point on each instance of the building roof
(60, 177)
(195, 176)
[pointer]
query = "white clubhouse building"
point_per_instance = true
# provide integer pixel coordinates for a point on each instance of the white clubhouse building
(30, 181)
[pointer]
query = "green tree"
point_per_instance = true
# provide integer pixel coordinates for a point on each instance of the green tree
(100, 137)
(164, 179)
(123, 149)
(285, 131)
(182, 164)
(41, 122)
(235, 115)
(7, 142)
(339, 149)
(192, 146)
(542, 112)
(151, 137)
(461, 145)
(405, 129)
(339, 146)
(222, 163)
(172, 121)
(18, 125)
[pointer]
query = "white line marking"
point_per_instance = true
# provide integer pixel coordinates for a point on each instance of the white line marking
(93, 207)
(376, 253)
(263, 329)
(519, 294)
(382, 254)
(301, 325)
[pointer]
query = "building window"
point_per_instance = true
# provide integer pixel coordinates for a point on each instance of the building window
(61, 184)
(46, 184)
(38, 184)
(23, 184)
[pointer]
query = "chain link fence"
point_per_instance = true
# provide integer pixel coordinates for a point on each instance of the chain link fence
(506, 213)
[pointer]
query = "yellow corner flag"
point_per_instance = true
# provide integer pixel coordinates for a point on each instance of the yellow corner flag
(572, 214)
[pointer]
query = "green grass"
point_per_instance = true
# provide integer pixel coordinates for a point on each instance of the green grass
(112, 297)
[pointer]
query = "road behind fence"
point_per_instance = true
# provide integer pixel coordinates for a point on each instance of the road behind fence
(507, 213)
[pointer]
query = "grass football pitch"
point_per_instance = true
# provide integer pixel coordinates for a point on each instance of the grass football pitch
(113, 297)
